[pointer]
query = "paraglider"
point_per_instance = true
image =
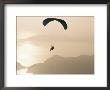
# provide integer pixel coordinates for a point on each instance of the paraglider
(48, 20)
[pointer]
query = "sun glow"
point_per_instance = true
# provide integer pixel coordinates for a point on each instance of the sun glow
(28, 54)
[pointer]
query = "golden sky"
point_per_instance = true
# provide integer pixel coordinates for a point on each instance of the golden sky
(34, 40)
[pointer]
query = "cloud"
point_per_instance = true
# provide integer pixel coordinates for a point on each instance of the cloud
(57, 38)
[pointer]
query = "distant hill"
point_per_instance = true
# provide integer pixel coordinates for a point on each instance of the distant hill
(60, 65)
(19, 66)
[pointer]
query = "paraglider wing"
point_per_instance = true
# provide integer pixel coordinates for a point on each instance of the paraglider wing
(63, 23)
(46, 21)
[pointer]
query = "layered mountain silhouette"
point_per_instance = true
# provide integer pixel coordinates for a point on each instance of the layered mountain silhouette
(19, 66)
(64, 65)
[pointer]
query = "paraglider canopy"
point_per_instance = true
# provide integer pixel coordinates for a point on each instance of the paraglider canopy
(47, 20)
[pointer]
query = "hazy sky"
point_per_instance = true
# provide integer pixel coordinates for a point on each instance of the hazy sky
(34, 40)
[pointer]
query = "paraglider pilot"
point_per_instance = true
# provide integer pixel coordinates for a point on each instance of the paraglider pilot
(52, 47)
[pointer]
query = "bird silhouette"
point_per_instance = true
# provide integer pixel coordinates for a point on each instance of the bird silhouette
(52, 47)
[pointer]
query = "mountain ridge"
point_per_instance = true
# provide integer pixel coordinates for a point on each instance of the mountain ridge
(83, 64)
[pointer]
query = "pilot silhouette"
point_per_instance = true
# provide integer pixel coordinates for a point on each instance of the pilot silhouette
(52, 47)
